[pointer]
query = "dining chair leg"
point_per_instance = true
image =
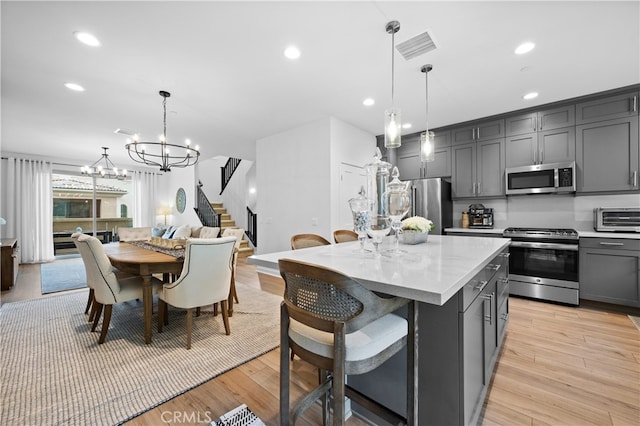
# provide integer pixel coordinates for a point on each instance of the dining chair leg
(105, 323)
(189, 326)
(161, 313)
(166, 314)
(96, 316)
(94, 309)
(198, 311)
(225, 317)
(215, 309)
(89, 301)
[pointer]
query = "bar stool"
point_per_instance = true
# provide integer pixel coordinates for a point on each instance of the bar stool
(333, 322)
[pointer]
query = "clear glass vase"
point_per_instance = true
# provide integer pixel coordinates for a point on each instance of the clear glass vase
(361, 211)
(397, 202)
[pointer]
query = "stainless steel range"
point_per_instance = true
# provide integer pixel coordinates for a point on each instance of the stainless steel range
(543, 264)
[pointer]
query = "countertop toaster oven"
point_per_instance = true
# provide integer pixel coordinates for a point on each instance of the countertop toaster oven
(616, 219)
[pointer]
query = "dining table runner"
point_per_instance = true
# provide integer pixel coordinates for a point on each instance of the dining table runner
(177, 253)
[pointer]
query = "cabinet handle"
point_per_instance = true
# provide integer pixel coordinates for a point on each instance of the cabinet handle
(493, 267)
(489, 297)
(504, 280)
(505, 316)
(505, 255)
(634, 178)
(479, 190)
(535, 124)
(542, 156)
(634, 106)
(478, 132)
(612, 244)
(481, 285)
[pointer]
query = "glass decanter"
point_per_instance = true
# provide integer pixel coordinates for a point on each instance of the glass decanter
(360, 208)
(397, 202)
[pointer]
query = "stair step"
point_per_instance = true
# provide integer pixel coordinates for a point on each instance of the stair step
(245, 251)
(225, 216)
(220, 210)
(228, 224)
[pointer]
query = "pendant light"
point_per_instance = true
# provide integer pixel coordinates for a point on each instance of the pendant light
(427, 139)
(392, 116)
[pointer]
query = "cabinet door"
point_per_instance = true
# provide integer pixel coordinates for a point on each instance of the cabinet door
(442, 139)
(490, 168)
(473, 357)
(610, 276)
(618, 106)
(521, 150)
(441, 166)
(607, 155)
(463, 170)
(408, 158)
(556, 118)
(521, 124)
(558, 145)
(490, 130)
(463, 135)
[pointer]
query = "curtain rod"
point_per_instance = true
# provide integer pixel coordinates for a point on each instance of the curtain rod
(69, 165)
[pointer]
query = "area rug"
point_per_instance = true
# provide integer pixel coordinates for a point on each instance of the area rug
(61, 275)
(635, 321)
(54, 371)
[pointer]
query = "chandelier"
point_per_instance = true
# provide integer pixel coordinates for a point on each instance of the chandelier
(163, 154)
(104, 168)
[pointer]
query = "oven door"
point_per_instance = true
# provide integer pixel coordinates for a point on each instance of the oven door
(545, 263)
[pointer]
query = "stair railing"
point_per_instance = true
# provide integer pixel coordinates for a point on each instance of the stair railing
(227, 171)
(205, 212)
(252, 227)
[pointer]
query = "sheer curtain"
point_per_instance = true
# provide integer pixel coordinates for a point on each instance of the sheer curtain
(30, 208)
(145, 186)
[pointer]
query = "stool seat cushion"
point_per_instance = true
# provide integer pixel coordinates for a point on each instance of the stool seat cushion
(360, 345)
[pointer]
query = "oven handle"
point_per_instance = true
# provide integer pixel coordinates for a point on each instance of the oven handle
(551, 246)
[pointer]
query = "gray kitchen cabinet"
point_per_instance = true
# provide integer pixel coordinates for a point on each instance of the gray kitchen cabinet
(610, 270)
(548, 146)
(409, 162)
(608, 108)
(608, 156)
(549, 119)
(481, 131)
(477, 169)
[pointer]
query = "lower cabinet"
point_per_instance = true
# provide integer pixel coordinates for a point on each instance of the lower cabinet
(610, 270)
(459, 344)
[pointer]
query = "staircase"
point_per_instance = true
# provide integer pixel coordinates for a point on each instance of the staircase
(227, 222)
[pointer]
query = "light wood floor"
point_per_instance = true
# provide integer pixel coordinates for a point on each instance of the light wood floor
(559, 366)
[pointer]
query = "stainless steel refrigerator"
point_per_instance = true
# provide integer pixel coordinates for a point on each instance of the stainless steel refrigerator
(431, 198)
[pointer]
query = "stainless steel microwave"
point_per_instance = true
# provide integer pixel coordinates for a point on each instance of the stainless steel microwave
(541, 178)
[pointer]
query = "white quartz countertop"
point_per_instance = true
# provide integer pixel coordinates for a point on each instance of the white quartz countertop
(594, 234)
(476, 230)
(431, 272)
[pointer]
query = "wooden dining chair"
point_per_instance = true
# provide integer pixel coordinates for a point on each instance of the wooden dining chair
(108, 289)
(239, 234)
(300, 241)
(205, 280)
(342, 328)
(344, 235)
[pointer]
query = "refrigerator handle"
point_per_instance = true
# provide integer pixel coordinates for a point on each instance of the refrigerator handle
(414, 191)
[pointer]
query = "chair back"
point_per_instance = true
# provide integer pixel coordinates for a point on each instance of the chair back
(319, 297)
(206, 273)
(140, 233)
(300, 241)
(344, 235)
(234, 232)
(209, 232)
(100, 275)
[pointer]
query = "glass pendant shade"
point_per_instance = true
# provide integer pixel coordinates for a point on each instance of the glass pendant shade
(427, 147)
(392, 128)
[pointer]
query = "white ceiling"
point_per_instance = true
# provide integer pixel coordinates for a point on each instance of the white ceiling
(231, 85)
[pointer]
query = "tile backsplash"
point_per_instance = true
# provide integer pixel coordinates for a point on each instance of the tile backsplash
(548, 211)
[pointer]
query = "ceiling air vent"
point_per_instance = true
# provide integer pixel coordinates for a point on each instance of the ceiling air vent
(124, 132)
(416, 46)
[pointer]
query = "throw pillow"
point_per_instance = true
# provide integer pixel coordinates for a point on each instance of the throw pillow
(183, 232)
(158, 231)
(169, 232)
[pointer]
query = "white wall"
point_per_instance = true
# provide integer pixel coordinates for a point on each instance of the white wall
(298, 177)
(552, 211)
(168, 185)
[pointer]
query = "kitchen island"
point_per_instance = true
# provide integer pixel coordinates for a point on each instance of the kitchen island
(462, 286)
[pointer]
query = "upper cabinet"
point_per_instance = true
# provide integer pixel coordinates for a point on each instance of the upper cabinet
(409, 162)
(607, 150)
(608, 108)
(546, 136)
(481, 131)
(477, 169)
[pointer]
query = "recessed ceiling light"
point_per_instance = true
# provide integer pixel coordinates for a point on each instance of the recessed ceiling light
(368, 102)
(524, 48)
(406, 125)
(292, 52)
(531, 95)
(75, 87)
(86, 38)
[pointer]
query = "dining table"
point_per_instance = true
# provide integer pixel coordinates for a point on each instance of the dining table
(143, 261)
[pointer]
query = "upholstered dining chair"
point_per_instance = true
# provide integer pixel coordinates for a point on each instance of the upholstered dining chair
(108, 289)
(90, 299)
(334, 323)
(205, 280)
(209, 232)
(344, 235)
(139, 233)
(300, 241)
